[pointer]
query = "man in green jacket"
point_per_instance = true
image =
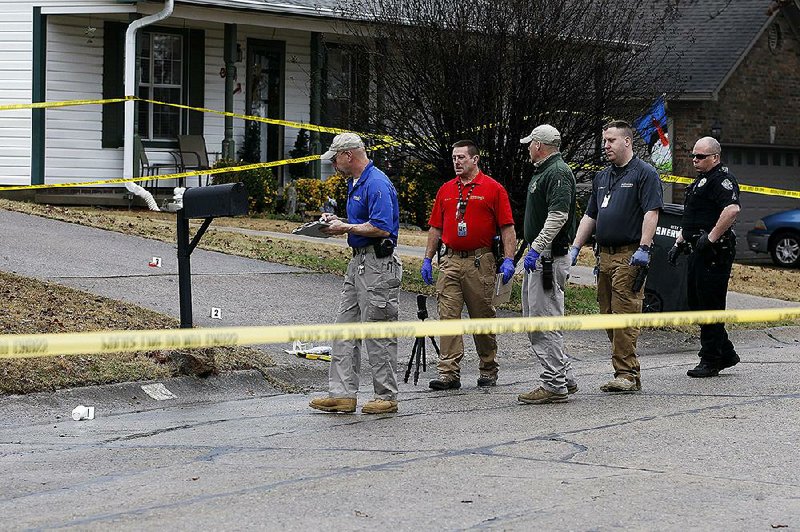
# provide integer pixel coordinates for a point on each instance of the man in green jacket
(549, 229)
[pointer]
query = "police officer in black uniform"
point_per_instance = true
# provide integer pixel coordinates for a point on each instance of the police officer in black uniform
(710, 209)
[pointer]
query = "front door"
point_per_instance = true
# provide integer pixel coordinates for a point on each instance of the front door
(265, 70)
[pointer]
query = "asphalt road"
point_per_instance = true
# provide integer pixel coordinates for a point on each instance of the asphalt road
(232, 452)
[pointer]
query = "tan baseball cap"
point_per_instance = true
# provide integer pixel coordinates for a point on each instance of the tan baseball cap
(546, 134)
(342, 142)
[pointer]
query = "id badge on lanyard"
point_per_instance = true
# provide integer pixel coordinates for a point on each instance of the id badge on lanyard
(606, 199)
(461, 209)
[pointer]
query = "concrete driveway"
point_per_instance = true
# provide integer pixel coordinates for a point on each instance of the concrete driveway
(232, 452)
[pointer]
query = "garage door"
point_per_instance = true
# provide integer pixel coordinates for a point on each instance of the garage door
(766, 167)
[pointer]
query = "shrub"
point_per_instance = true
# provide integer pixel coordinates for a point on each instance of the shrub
(302, 147)
(261, 184)
(314, 192)
(416, 189)
(309, 191)
(336, 187)
(250, 151)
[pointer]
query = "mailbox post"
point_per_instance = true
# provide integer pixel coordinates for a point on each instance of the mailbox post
(206, 203)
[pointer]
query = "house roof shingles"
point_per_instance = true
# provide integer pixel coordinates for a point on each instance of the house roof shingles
(710, 37)
(324, 8)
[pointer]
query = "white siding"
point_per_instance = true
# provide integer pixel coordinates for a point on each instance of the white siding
(16, 84)
(73, 145)
(296, 84)
(73, 150)
(16, 30)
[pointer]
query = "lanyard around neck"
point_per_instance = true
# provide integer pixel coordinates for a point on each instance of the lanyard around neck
(461, 207)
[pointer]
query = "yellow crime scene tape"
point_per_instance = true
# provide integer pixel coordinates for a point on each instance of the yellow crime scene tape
(767, 191)
(388, 141)
(65, 103)
(286, 123)
(40, 345)
(210, 171)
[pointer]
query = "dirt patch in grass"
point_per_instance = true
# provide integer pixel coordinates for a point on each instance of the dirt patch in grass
(36, 307)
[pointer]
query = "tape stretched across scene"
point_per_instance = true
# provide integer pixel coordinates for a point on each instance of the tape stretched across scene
(38, 345)
(388, 142)
(286, 123)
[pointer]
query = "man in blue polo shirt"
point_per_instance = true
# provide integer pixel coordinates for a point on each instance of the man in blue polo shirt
(372, 282)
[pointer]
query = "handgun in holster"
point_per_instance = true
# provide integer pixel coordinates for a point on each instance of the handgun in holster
(497, 251)
(384, 248)
(641, 277)
(547, 272)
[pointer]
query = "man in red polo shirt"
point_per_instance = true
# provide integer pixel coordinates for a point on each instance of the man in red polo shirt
(467, 214)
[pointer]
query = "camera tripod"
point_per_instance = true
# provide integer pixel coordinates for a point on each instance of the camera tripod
(418, 354)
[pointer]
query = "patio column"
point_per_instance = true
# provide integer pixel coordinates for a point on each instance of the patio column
(39, 95)
(316, 98)
(228, 143)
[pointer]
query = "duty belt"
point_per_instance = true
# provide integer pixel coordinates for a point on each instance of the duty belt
(619, 249)
(362, 251)
(470, 253)
(724, 239)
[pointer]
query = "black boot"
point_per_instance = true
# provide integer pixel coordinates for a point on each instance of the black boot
(703, 370)
(729, 360)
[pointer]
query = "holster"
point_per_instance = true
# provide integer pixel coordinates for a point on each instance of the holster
(384, 248)
(547, 272)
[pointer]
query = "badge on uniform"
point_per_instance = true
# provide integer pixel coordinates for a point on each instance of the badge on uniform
(462, 228)
(701, 182)
(606, 199)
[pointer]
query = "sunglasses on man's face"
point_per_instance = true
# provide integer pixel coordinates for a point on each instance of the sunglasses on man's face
(701, 156)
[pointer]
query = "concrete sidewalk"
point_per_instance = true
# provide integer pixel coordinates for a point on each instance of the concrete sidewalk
(232, 452)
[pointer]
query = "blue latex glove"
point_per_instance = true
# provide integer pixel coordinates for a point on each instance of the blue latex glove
(507, 269)
(574, 251)
(427, 271)
(641, 257)
(530, 260)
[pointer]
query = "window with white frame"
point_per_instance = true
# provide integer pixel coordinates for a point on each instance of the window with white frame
(161, 73)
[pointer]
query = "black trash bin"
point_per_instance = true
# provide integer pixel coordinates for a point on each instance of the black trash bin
(665, 290)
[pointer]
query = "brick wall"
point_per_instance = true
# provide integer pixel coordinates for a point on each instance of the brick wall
(763, 91)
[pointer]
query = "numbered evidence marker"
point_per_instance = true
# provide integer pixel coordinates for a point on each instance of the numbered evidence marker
(155, 263)
(216, 313)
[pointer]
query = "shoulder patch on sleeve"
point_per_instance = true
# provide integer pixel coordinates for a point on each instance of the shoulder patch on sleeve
(726, 184)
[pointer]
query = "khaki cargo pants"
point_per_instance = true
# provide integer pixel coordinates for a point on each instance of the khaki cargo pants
(615, 296)
(369, 293)
(462, 281)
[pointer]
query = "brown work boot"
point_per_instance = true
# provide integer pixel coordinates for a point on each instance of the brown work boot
(487, 380)
(345, 405)
(445, 383)
(379, 406)
(621, 385)
(540, 396)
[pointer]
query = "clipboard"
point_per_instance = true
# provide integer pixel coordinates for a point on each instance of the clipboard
(502, 292)
(312, 229)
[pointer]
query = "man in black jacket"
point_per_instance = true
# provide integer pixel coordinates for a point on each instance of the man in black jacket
(710, 210)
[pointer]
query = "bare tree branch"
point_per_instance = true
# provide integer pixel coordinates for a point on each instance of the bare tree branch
(491, 70)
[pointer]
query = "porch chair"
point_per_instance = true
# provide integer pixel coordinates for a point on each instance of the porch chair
(151, 169)
(193, 155)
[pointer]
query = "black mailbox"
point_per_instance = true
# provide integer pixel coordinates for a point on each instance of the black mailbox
(215, 200)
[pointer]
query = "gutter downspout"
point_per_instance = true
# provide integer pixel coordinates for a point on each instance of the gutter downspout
(130, 89)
